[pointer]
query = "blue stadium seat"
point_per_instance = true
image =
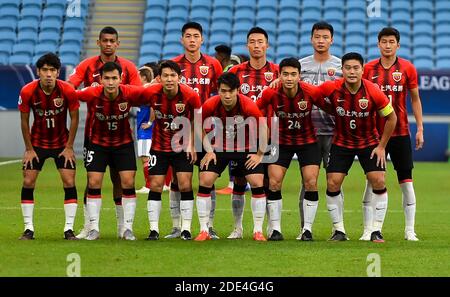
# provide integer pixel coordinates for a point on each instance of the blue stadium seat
(63, 49)
(31, 12)
(172, 38)
(313, 14)
(219, 38)
(333, 16)
(178, 3)
(53, 13)
(29, 37)
(157, 3)
(286, 40)
(356, 48)
(28, 25)
(442, 6)
(150, 49)
(174, 26)
(270, 27)
(8, 37)
(5, 48)
(354, 40)
(356, 16)
(442, 17)
(4, 59)
(420, 17)
(441, 53)
(244, 4)
(356, 6)
(270, 54)
(338, 40)
(442, 29)
(422, 41)
(293, 5)
(70, 59)
(153, 38)
(221, 26)
(178, 13)
(239, 49)
(49, 36)
(400, 17)
(74, 25)
(244, 14)
(305, 40)
(422, 29)
(356, 29)
(330, 5)
(22, 49)
(423, 53)
(242, 26)
(19, 60)
(305, 51)
(51, 26)
(206, 4)
(288, 16)
(337, 51)
(239, 39)
(374, 27)
(270, 4)
(43, 48)
(286, 51)
(288, 28)
(422, 5)
(9, 13)
(400, 5)
(74, 38)
(443, 64)
(266, 16)
(423, 63)
(56, 4)
(171, 51)
(224, 4)
(149, 58)
(155, 26)
(10, 3)
(306, 26)
(32, 3)
(8, 25)
(153, 13)
(221, 13)
(404, 53)
(200, 14)
(310, 4)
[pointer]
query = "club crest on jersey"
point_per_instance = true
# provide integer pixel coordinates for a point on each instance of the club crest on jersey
(95, 84)
(268, 76)
(204, 69)
(363, 103)
(180, 107)
(302, 105)
(331, 72)
(397, 76)
(123, 106)
(58, 102)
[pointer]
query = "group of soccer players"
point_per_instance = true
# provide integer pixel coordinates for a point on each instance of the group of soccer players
(320, 108)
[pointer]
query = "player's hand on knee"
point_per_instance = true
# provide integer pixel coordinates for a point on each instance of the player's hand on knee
(28, 157)
(69, 156)
(208, 158)
(253, 161)
(192, 156)
(381, 156)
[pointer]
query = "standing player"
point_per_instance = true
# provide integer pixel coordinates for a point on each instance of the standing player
(292, 104)
(144, 131)
(110, 143)
(354, 102)
(87, 72)
(223, 55)
(50, 99)
(236, 113)
(395, 76)
(255, 75)
(200, 72)
(171, 102)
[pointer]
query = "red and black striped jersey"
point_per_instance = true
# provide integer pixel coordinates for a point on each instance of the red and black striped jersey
(109, 119)
(241, 120)
(354, 113)
(254, 81)
(201, 76)
(181, 107)
(294, 114)
(87, 72)
(395, 83)
(49, 129)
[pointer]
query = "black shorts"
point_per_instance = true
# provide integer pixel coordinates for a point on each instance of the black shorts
(341, 159)
(237, 164)
(44, 154)
(308, 154)
(200, 156)
(122, 158)
(159, 162)
(399, 148)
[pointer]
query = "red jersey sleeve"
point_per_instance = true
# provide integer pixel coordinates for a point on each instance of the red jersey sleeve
(265, 99)
(77, 75)
(208, 108)
(320, 96)
(251, 109)
(133, 75)
(381, 101)
(218, 71)
(24, 100)
(412, 77)
(72, 97)
(134, 95)
(87, 94)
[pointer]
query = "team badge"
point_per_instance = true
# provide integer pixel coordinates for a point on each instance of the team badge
(268, 76)
(363, 103)
(180, 107)
(58, 102)
(95, 84)
(331, 72)
(204, 69)
(123, 106)
(302, 105)
(397, 76)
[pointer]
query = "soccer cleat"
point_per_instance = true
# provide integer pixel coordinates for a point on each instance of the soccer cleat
(225, 191)
(93, 235)
(338, 236)
(186, 235)
(276, 236)
(27, 235)
(376, 237)
(204, 235)
(69, 235)
(411, 236)
(176, 232)
(236, 234)
(143, 190)
(153, 235)
(366, 235)
(258, 236)
(213, 234)
(83, 233)
(128, 235)
(306, 236)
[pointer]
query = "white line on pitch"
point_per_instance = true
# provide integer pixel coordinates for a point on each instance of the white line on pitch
(10, 162)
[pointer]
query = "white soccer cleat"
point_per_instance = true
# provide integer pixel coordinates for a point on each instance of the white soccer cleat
(128, 235)
(236, 234)
(366, 235)
(93, 235)
(83, 233)
(411, 236)
(143, 190)
(175, 233)
(120, 232)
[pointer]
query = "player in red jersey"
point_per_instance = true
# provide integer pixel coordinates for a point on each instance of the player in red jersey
(395, 77)
(110, 143)
(88, 74)
(173, 104)
(232, 115)
(354, 102)
(200, 72)
(50, 99)
(255, 75)
(292, 104)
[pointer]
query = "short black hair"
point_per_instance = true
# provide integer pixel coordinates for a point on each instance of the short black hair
(50, 59)
(169, 64)
(389, 31)
(154, 66)
(108, 30)
(110, 66)
(292, 62)
(257, 30)
(352, 56)
(223, 49)
(322, 26)
(229, 79)
(192, 25)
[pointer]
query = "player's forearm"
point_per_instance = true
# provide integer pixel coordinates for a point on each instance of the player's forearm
(206, 144)
(74, 119)
(416, 106)
(263, 139)
(25, 126)
(389, 127)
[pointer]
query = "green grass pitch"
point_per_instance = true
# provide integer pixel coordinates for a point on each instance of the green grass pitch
(47, 255)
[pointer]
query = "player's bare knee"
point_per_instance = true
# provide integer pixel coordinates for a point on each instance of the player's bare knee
(310, 183)
(333, 185)
(274, 185)
(185, 185)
